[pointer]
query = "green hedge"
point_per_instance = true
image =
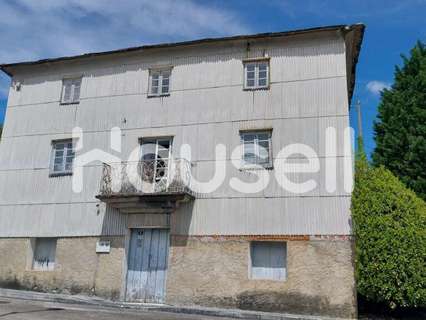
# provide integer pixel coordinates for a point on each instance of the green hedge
(390, 232)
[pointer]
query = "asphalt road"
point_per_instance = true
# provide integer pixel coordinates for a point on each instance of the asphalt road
(12, 309)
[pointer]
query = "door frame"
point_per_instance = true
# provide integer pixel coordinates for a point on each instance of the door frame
(125, 264)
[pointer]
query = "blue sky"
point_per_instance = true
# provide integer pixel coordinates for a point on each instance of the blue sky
(33, 29)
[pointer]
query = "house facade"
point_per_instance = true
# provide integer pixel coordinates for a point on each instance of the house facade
(163, 173)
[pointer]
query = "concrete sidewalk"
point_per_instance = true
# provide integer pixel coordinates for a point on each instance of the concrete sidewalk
(96, 301)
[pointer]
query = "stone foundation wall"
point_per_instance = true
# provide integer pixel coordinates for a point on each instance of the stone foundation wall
(215, 272)
(78, 268)
(205, 271)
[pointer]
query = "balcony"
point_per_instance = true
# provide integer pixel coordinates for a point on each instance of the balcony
(146, 186)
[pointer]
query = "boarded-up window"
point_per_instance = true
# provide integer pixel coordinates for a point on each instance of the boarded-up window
(44, 254)
(71, 90)
(268, 260)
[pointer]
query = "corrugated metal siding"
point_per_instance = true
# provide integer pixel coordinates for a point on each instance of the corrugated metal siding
(114, 222)
(308, 93)
(309, 98)
(33, 152)
(272, 216)
(60, 220)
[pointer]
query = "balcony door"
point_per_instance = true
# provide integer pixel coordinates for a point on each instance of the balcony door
(156, 157)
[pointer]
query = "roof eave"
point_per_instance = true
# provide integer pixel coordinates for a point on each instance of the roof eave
(359, 30)
(7, 68)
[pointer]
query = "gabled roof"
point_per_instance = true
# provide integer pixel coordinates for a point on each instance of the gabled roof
(355, 44)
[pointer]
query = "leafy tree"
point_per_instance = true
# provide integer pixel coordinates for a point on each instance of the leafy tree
(390, 232)
(400, 131)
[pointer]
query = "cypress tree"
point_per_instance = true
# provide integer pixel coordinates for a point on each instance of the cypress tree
(400, 131)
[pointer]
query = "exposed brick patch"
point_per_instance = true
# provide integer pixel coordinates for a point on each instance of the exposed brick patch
(267, 237)
(331, 237)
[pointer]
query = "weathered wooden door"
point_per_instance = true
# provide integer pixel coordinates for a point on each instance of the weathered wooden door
(147, 265)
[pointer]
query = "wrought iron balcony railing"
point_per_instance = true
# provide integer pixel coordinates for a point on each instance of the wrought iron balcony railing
(159, 176)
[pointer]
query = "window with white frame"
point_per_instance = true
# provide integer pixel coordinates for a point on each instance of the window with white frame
(44, 252)
(256, 74)
(62, 157)
(159, 82)
(71, 90)
(268, 260)
(256, 147)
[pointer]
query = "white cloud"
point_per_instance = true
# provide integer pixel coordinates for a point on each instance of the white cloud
(376, 87)
(34, 29)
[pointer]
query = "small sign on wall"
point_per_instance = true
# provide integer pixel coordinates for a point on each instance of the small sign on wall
(103, 246)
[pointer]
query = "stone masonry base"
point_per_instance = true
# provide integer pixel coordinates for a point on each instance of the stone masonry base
(78, 268)
(214, 272)
(203, 271)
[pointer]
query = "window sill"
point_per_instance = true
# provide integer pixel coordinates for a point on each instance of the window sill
(68, 103)
(257, 167)
(59, 174)
(158, 95)
(268, 280)
(256, 88)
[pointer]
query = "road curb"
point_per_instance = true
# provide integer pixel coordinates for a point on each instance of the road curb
(96, 301)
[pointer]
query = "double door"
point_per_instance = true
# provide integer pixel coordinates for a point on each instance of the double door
(147, 265)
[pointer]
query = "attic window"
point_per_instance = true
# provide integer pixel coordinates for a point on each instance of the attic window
(71, 90)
